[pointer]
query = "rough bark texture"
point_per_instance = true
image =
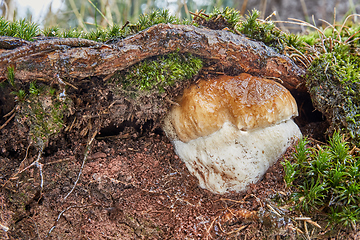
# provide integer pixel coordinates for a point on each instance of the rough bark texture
(79, 58)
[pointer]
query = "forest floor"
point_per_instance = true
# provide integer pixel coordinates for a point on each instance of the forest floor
(133, 186)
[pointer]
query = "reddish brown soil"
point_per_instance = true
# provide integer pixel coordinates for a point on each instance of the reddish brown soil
(132, 186)
(129, 189)
(136, 188)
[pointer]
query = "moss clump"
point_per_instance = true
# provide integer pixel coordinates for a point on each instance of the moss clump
(262, 31)
(153, 18)
(327, 178)
(160, 72)
(266, 32)
(251, 26)
(117, 31)
(218, 19)
(21, 29)
(26, 30)
(42, 111)
(333, 81)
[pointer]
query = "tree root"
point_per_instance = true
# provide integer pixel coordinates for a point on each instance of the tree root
(80, 58)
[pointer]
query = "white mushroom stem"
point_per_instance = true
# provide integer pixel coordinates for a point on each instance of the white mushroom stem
(230, 130)
(230, 159)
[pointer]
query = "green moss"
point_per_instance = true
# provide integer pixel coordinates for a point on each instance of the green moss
(153, 18)
(117, 31)
(327, 178)
(251, 26)
(11, 76)
(262, 31)
(27, 30)
(22, 29)
(219, 19)
(267, 32)
(157, 73)
(42, 111)
(160, 72)
(310, 38)
(102, 35)
(333, 81)
(51, 31)
(20, 94)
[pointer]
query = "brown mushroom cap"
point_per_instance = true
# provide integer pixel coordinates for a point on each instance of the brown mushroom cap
(246, 101)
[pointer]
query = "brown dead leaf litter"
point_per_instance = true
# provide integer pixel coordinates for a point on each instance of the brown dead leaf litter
(132, 185)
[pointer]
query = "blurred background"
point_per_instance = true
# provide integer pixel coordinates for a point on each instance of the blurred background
(88, 14)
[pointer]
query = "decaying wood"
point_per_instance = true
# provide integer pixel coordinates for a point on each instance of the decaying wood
(79, 58)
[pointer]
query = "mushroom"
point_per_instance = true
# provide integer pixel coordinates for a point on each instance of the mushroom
(230, 130)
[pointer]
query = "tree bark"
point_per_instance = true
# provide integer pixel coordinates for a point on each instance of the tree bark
(80, 58)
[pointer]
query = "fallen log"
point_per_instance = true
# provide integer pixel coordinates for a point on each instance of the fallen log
(80, 58)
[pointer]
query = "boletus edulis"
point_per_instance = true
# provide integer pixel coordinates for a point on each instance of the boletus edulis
(230, 130)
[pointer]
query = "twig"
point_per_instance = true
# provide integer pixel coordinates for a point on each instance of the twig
(40, 165)
(306, 231)
(186, 8)
(313, 223)
(26, 154)
(9, 113)
(36, 162)
(231, 200)
(316, 141)
(295, 57)
(301, 55)
(87, 150)
(135, 48)
(302, 218)
(127, 23)
(61, 213)
(69, 84)
(209, 229)
(204, 14)
(6, 15)
(171, 102)
(275, 78)
(257, 199)
(4, 228)
(273, 210)
(307, 219)
(303, 23)
(292, 227)
(343, 25)
(270, 16)
(197, 14)
(58, 218)
(352, 151)
(7, 121)
(58, 161)
(237, 230)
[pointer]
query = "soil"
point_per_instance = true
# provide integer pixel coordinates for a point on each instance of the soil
(132, 185)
